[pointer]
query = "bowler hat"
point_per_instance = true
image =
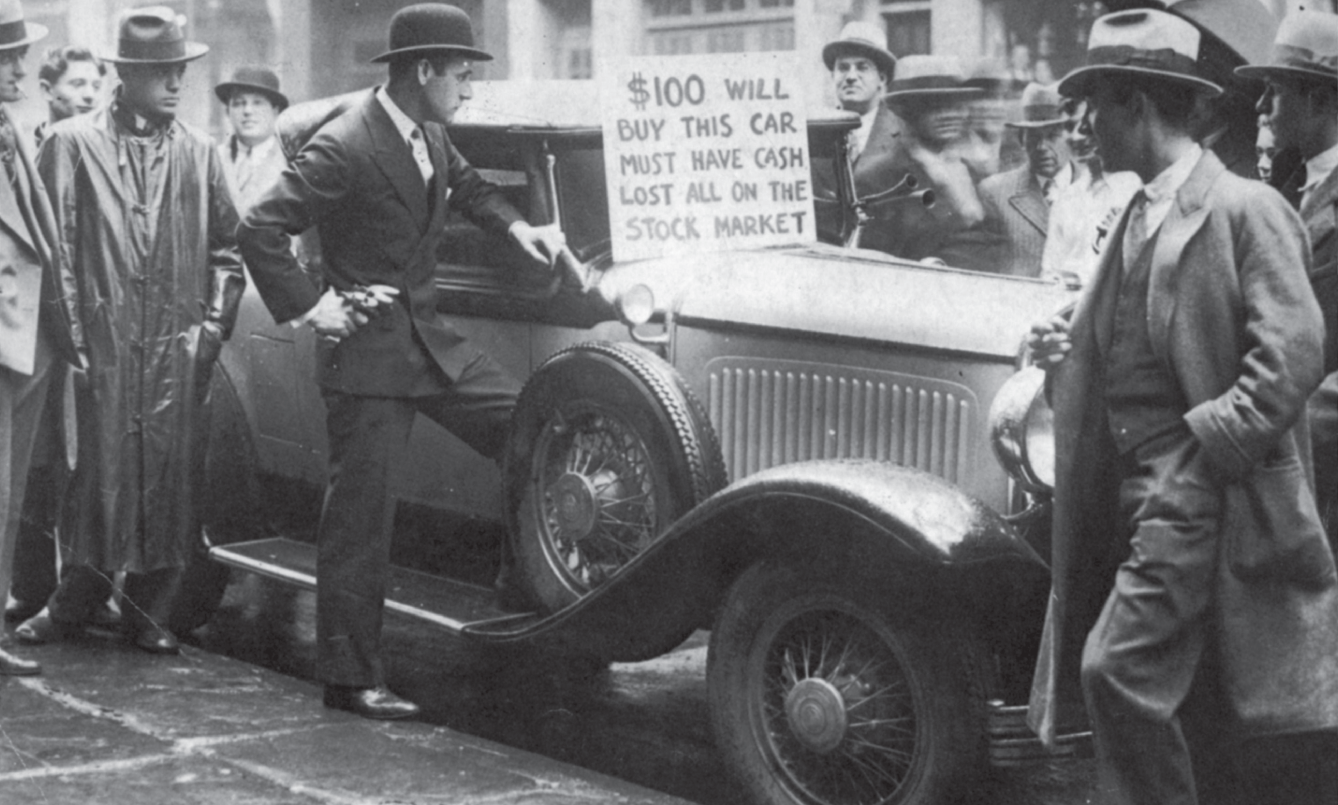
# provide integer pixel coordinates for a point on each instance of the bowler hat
(14, 32)
(1041, 107)
(1142, 42)
(930, 76)
(861, 39)
(253, 79)
(153, 35)
(1306, 48)
(429, 28)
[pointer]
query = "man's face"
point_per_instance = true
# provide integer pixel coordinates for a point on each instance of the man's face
(1264, 149)
(1284, 106)
(446, 93)
(152, 90)
(252, 116)
(1047, 152)
(11, 73)
(939, 121)
(75, 92)
(1114, 126)
(1078, 133)
(859, 85)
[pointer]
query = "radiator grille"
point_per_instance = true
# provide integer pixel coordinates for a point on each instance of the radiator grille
(776, 412)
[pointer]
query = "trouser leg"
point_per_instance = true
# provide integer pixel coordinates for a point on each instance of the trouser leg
(22, 401)
(1142, 655)
(146, 599)
(34, 569)
(81, 591)
(367, 438)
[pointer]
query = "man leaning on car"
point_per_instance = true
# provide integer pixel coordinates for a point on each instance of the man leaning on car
(376, 182)
(1194, 600)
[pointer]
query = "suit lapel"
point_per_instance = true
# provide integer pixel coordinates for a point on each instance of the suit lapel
(1098, 303)
(441, 185)
(882, 134)
(1187, 216)
(392, 155)
(1030, 203)
(1318, 212)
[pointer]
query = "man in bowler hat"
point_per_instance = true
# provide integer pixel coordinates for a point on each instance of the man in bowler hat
(146, 220)
(251, 154)
(376, 183)
(1194, 597)
(39, 333)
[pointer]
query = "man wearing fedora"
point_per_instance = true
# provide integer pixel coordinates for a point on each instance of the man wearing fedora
(1300, 102)
(251, 155)
(39, 331)
(929, 94)
(1194, 597)
(376, 182)
(147, 223)
(861, 67)
(1017, 202)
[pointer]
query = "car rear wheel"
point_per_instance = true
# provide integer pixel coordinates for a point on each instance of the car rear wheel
(820, 695)
(608, 448)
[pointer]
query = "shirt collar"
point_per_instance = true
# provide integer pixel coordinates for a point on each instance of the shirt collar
(403, 123)
(1168, 182)
(1318, 167)
(1062, 179)
(257, 152)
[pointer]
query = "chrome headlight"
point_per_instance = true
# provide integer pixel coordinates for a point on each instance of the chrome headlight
(1022, 430)
(636, 305)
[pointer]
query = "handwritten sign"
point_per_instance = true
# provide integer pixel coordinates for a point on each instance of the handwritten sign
(705, 153)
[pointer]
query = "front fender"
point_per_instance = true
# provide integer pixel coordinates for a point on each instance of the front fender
(869, 518)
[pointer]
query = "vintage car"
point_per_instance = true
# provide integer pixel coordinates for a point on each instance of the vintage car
(791, 447)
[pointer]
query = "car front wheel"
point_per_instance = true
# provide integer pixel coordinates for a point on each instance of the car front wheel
(822, 695)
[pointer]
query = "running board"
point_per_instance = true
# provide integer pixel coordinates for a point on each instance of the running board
(442, 602)
(1012, 743)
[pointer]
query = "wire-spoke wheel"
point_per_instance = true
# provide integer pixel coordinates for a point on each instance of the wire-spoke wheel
(818, 697)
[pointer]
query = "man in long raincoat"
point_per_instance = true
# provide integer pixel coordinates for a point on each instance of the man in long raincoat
(147, 222)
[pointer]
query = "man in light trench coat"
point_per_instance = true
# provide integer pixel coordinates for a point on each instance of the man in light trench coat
(1194, 593)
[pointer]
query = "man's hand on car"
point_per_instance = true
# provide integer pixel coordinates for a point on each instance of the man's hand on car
(1049, 342)
(543, 243)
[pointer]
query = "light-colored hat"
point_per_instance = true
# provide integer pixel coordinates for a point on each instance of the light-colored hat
(930, 76)
(1040, 107)
(14, 32)
(1306, 48)
(861, 39)
(153, 35)
(1142, 42)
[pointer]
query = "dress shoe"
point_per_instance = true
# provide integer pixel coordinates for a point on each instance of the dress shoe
(17, 666)
(377, 703)
(42, 628)
(20, 611)
(156, 640)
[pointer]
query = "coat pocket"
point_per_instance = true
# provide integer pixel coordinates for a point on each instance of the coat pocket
(1274, 531)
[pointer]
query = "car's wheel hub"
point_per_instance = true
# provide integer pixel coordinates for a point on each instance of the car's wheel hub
(576, 504)
(816, 712)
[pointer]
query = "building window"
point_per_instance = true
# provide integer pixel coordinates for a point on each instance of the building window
(909, 26)
(717, 6)
(718, 26)
(669, 8)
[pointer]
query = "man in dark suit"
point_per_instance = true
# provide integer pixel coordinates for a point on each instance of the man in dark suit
(39, 332)
(861, 67)
(376, 182)
(1195, 599)
(1017, 202)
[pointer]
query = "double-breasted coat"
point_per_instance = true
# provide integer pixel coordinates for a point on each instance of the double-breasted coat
(147, 227)
(1232, 317)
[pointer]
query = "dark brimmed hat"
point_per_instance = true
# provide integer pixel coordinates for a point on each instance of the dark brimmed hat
(1041, 107)
(1142, 42)
(861, 39)
(153, 35)
(253, 79)
(14, 32)
(1306, 48)
(429, 28)
(930, 77)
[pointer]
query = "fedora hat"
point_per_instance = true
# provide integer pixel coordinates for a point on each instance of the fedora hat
(1041, 107)
(930, 76)
(861, 39)
(153, 35)
(253, 79)
(14, 32)
(429, 28)
(1235, 32)
(1141, 42)
(1306, 48)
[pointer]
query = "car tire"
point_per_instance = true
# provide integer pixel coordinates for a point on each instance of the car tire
(230, 507)
(822, 695)
(608, 448)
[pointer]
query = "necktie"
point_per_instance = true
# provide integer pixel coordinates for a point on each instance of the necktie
(8, 144)
(1051, 191)
(1136, 231)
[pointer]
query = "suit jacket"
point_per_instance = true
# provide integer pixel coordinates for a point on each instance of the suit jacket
(1320, 215)
(356, 181)
(873, 169)
(1232, 317)
(1016, 213)
(31, 279)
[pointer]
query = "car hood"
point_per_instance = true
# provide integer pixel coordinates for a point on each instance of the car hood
(851, 293)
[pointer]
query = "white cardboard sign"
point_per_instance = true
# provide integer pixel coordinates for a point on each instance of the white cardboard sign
(705, 153)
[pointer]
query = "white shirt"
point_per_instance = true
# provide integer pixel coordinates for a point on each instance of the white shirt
(1060, 180)
(1081, 219)
(410, 131)
(1161, 190)
(252, 170)
(860, 136)
(1317, 169)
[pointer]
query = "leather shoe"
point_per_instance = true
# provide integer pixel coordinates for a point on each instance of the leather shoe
(17, 666)
(377, 703)
(20, 611)
(42, 628)
(157, 640)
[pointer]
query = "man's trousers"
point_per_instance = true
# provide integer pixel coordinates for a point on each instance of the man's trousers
(23, 398)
